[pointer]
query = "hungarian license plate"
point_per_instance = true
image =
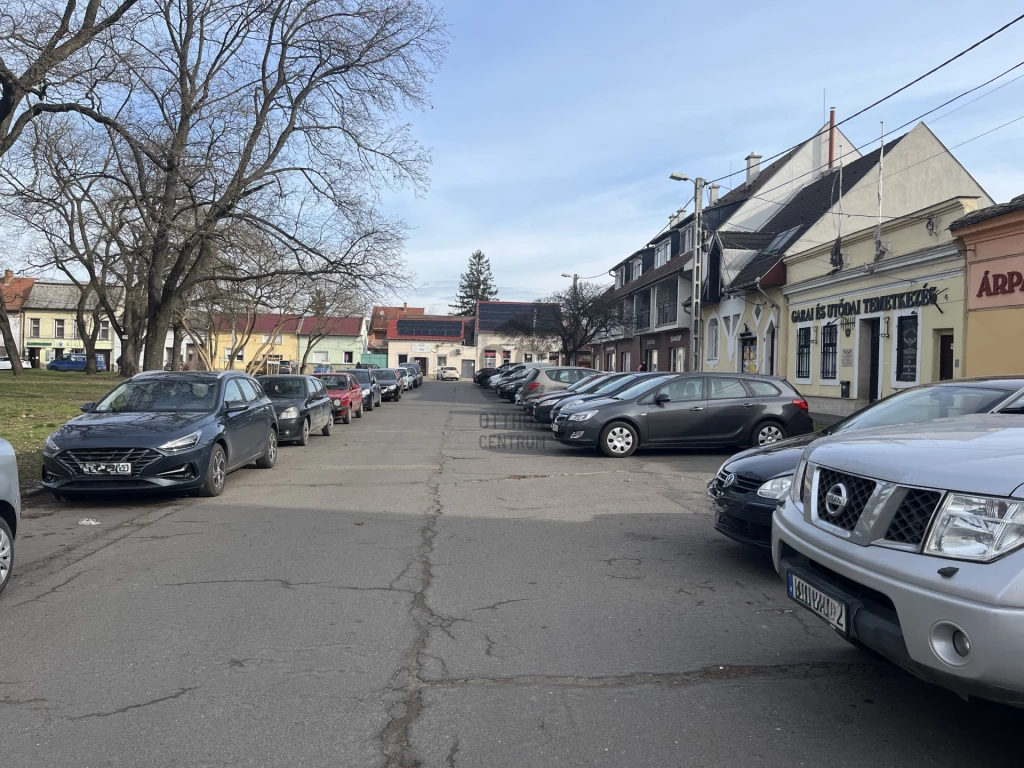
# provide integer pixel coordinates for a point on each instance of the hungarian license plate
(834, 612)
(111, 468)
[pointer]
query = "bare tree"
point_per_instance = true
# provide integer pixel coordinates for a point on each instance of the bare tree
(10, 343)
(575, 318)
(324, 310)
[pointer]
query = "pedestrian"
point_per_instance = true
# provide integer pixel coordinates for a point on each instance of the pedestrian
(642, 367)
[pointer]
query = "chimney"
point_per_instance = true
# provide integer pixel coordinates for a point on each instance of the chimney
(713, 193)
(831, 138)
(8, 276)
(405, 306)
(753, 166)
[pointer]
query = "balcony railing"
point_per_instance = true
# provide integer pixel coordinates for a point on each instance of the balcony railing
(643, 318)
(668, 313)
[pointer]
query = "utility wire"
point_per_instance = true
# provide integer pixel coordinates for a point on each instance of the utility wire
(859, 112)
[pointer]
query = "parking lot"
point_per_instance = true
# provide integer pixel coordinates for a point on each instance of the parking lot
(442, 584)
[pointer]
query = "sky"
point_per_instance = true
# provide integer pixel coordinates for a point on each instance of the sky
(554, 125)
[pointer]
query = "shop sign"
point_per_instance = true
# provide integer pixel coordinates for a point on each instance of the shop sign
(650, 342)
(419, 347)
(921, 297)
(678, 337)
(610, 349)
(1001, 285)
(31, 343)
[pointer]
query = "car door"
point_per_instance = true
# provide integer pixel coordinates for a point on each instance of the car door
(259, 414)
(355, 392)
(730, 409)
(683, 417)
(325, 402)
(237, 424)
(319, 403)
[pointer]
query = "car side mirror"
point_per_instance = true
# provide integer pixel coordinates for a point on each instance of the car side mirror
(662, 398)
(87, 407)
(237, 406)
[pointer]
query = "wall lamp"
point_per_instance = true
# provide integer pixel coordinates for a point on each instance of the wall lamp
(885, 329)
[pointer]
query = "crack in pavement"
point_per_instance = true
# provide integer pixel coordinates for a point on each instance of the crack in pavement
(453, 752)
(286, 584)
(496, 606)
(181, 692)
(52, 589)
(394, 737)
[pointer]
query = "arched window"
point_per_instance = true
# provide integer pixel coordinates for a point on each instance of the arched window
(711, 343)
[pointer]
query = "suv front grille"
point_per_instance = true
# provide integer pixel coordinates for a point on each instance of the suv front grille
(858, 491)
(139, 458)
(911, 520)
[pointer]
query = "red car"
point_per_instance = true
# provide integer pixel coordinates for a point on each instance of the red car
(346, 395)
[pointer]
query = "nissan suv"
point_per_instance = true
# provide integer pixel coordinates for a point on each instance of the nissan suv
(907, 540)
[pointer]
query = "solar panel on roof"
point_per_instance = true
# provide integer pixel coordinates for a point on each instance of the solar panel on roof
(494, 316)
(446, 328)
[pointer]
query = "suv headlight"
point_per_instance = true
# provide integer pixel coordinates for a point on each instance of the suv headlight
(583, 416)
(801, 479)
(980, 528)
(183, 443)
(51, 447)
(291, 412)
(776, 488)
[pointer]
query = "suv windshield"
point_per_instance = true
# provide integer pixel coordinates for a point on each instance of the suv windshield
(925, 404)
(277, 389)
(160, 395)
(642, 385)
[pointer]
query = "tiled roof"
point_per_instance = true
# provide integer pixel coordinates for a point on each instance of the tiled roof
(993, 211)
(52, 294)
(332, 326)
(261, 323)
(745, 241)
(16, 292)
(381, 315)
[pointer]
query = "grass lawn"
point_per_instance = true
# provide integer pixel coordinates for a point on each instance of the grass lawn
(34, 405)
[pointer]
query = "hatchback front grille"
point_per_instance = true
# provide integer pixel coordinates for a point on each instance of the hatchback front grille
(740, 483)
(911, 520)
(857, 492)
(139, 458)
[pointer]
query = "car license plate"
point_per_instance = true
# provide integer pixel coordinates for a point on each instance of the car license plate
(120, 468)
(834, 612)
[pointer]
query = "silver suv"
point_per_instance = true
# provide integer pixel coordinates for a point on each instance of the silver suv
(907, 540)
(10, 510)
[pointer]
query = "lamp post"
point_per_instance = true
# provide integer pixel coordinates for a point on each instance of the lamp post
(575, 296)
(696, 324)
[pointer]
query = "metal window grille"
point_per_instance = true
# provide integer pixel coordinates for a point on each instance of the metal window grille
(803, 353)
(829, 350)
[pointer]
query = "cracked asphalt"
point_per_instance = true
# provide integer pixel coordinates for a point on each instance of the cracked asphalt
(439, 584)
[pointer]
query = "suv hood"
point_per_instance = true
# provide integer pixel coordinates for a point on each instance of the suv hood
(983, 453)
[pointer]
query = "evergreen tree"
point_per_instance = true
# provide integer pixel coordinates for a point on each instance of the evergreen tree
(476, 284)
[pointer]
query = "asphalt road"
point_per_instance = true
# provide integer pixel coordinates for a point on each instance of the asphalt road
(440, 585)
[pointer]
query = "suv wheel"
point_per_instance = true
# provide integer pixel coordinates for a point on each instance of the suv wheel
(619, 440)
(6, 554)
(767, 432)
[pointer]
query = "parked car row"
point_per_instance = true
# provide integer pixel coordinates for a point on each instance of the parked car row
(901, 527)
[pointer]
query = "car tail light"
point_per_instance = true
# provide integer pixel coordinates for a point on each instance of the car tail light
(801, 404)
(533, 386)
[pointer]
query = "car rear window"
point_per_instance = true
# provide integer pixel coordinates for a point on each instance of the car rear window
(279, 388)
(722, 389)
(763, 388)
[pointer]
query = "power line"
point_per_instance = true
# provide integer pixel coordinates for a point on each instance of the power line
(916, 80)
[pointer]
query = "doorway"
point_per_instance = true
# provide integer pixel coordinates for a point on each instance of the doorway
(872, 342)
(770, 350)
(652, 359)
(748, 356)
(609, 361)
(468, 368)
(945, 357)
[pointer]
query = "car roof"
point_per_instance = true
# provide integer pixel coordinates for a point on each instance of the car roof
(188, 374)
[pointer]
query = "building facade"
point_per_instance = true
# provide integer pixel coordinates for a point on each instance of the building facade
(432, 342)
(49, 329)
(993, 241)
(887, 320)
(494, 346)
(256, 342)
(380, 317)
(15, 291)
(334, 340)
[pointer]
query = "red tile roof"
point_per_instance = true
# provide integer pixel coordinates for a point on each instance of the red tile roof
(16, 292)
(261, 323)
(332, 326)
(382, 315)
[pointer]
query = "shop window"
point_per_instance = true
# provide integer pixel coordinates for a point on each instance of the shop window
(829, 351)
(906, 348)
(803, 352)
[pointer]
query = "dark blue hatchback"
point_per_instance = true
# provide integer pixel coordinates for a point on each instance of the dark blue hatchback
(164, 431)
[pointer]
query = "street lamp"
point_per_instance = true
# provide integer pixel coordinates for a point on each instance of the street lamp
(698, 266)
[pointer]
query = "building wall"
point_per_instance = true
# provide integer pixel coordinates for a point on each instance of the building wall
(499, 344)
(436, 353)
(47, 343)
(333, 348)
(748, 318)
(255, 347)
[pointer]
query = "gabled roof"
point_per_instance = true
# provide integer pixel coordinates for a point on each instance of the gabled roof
(16, 292)
(803, 210)
(428, 328)
(744, 191)
(332, 326)
(993, 211)
(264, 323)
(57, 295)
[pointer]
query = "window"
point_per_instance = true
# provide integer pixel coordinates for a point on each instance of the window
(619, 277)
(682, 390)
(104, 330)
(232, 394)
(668, 303)
(829, 350)
(277, 339)
(661, 253)
(33, 327)
(248, 391)
(58, 329)
(906, 348)
(637, 268)
(803, 352)
(74, 331)
(321, 357)
(687, 240)
(348, 357)
(527, 358)
(723, 389)
(763, 388)
(311, 386)
(625, 362)
(712, 340)
(240, 356)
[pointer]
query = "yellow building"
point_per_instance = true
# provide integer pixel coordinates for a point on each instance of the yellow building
(49, 328)
(887, 320)
(257, 342)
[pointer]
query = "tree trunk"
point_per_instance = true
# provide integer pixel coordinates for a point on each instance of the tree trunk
(9, 342)
(128, 362)
(178, 331)
(309, 348)
(83, 333)
(158, 322)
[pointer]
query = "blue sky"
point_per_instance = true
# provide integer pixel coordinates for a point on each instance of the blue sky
(555, 124)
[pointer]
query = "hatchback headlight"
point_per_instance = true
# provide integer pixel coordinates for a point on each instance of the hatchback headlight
(337, 401)
(183, 443)
(291, 412)
(571, 403)
(776, 488)
(980, 528)
(583, 416)
(51, 446)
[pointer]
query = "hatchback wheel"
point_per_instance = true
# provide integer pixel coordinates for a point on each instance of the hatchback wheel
(347, 418)
(304, 435)
(328, 429)
(216, 473)
(6, 554)
(768, 432)
(618, 440)
(370, 406)
(269, 457)
(359, 413)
